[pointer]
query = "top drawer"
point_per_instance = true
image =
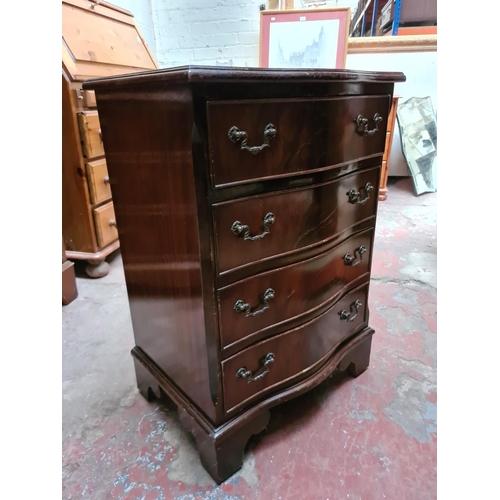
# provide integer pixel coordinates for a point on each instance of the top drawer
(252, 140)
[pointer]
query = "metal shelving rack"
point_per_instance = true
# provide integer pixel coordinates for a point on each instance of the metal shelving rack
(374, 14)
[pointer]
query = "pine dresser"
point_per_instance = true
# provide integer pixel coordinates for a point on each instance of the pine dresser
(98, 39)
(246, 203)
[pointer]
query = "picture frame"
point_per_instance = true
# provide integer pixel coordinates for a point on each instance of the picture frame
(304, 38)
(392, 44)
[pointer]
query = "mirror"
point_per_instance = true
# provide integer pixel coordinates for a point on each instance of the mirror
(418, 132)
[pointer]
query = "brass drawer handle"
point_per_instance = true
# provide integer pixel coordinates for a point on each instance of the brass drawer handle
(348, 315)
(244, 373)
(355, 196)
(350, 260)
(235, 135)
(362, 124)
(112, 222)
(237, 228)
(241, 306)
(106, 179)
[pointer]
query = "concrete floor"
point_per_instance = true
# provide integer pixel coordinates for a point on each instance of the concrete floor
(368, 438)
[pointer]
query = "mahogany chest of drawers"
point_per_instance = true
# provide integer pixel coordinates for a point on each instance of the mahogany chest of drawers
(246, 202)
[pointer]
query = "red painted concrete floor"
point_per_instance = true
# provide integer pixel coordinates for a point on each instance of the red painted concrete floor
(368, 438)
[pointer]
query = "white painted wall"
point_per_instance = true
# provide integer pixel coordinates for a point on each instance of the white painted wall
(420, 69)
(143, 15)
(207, 31)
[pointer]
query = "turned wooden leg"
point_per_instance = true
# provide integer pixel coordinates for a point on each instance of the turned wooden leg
(146, 383)
(382, 194)
(97, 268)
(357, 359)
(221, 450)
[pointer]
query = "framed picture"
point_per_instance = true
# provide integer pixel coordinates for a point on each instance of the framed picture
(308, 38)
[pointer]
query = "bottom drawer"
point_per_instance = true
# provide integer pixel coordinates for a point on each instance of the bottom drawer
(105, 224)
(258, 370)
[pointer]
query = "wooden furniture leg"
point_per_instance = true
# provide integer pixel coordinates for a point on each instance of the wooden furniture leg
(148, 386)
(357, 359)
(69, 290)
(97, 268)
(221, 450)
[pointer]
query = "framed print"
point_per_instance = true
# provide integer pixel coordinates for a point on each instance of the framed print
(309, 38)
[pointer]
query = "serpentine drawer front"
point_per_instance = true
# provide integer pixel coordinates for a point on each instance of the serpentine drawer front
(246, 203)
(280, 137)
(253, 372)
(260, 227)
(267, 299)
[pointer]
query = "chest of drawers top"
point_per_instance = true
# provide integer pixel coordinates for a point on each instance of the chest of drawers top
(290, 122)
(245, 200)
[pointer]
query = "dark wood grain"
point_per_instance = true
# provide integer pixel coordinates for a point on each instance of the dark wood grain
(310, 135)
(261, 266)
(304, 217)
(184, 266)
(309, 343)
(148, 152)
(207, 252)
(298, 288)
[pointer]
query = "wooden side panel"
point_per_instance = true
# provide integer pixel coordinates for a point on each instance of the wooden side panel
(69, 290)
(77, 220)
(148, 152)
